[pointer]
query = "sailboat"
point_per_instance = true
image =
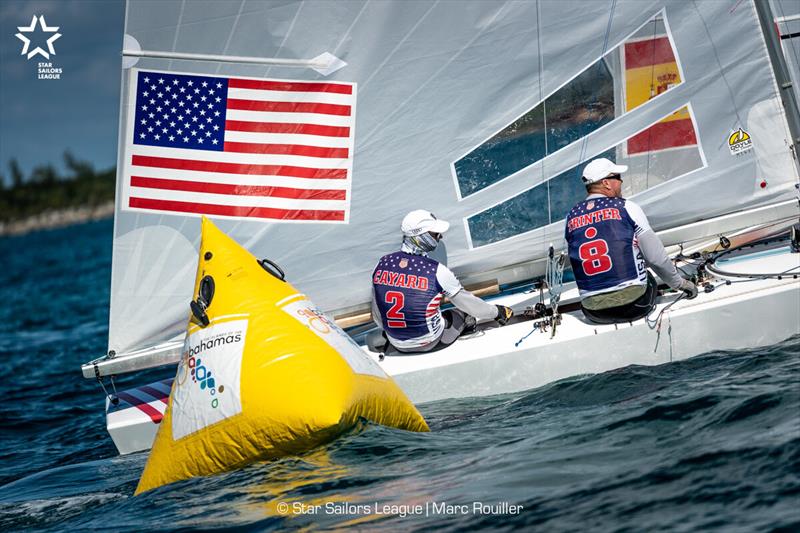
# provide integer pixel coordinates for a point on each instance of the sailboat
(332, 120)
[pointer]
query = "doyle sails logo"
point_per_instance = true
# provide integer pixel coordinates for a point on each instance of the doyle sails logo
(31, 41)
(739, 142)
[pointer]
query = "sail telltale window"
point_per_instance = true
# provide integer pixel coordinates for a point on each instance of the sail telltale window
(634, 72)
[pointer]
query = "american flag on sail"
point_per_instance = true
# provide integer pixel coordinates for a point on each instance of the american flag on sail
(239, 147)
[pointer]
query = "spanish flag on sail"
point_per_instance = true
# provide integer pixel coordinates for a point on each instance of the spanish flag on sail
(651, 69)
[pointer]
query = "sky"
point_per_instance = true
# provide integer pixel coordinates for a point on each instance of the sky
(40, 119)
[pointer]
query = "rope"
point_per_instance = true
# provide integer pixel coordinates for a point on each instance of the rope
(535, 327)
(656, 324)
(750, 277)
(554, 276)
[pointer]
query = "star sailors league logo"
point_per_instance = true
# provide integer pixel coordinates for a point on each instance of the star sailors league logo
(31, 39)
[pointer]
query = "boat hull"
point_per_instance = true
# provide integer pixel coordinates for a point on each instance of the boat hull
(491, 364)
(741, 315)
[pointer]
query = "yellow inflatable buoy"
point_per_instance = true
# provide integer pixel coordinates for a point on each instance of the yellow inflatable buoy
(264, 374)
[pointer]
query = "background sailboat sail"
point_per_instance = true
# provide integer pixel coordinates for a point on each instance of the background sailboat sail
(486, 124)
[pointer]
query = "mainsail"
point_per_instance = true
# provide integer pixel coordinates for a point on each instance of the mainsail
(482, 112)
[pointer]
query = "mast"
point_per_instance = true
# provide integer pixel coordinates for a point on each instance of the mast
(769, 29)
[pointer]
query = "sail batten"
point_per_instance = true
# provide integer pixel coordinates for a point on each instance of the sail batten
(319, 63)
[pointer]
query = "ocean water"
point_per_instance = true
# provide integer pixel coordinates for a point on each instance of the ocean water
(709, 443)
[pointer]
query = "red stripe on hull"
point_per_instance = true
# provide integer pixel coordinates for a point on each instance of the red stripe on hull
(238, 190)
(146, 408)
(236, 168)
(236, 211)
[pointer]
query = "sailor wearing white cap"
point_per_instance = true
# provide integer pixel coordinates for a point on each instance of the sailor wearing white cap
(408, 287)
(611, 244)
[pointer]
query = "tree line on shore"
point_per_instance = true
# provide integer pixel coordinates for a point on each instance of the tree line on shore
(45, 189)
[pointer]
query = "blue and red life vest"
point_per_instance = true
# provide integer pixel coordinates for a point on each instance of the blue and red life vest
(408, 295)
(603, 249)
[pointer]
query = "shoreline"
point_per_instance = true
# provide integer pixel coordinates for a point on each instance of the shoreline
(58, 218)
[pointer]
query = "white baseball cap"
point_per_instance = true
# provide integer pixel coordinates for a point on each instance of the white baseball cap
(420, 221)
(601, 168)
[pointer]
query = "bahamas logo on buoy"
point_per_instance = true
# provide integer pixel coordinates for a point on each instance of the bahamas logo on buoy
(739, 142)
(208, 377)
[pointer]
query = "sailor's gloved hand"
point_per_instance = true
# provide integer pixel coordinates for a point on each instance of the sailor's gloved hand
(503, 314)
(688, 288)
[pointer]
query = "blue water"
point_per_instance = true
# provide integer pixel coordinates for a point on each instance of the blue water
(709, 443)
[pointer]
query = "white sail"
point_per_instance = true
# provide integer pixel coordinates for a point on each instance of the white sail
(481, 112)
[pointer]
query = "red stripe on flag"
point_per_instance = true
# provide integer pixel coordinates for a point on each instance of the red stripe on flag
(286, 149)
(287, 127)
(433, 306)
(235, 210)
(648, 53)
(238, 83)
(144, 407)
(289, 107)
(237, 168)
(238, 190)
(155, 393)
(663, 135)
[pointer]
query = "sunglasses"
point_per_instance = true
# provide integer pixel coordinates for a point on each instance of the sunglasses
(437, 236)
(614, 177)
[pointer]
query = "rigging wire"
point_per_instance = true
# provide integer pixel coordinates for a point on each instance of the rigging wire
(544, 112)
(653, 94)
(553, 278)
(719, 64)
(554, 275)
(584, 142)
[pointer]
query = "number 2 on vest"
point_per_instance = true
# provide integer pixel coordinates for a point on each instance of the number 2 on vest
(395, 317)
(594, 257)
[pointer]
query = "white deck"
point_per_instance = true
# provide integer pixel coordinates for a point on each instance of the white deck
(738, 316)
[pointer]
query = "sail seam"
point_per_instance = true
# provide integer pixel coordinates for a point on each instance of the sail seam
(177, 31)
(719, 65)
(230, 35)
